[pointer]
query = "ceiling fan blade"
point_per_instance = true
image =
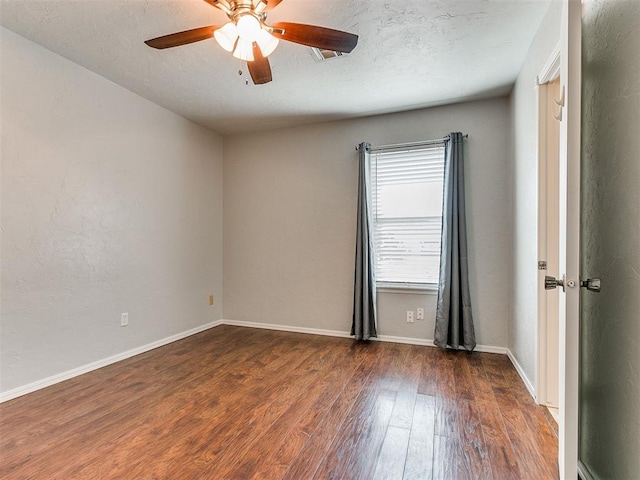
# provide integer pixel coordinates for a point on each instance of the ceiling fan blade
(183, 38)
(271, 4)
(314, 36)
(259, 69)
(214, 3)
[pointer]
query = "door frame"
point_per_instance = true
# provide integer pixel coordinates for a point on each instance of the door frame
(550, 71)
(570, 66)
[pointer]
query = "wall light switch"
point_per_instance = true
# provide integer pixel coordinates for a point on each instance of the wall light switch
(420, 314)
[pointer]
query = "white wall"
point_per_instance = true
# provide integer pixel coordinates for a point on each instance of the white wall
(110, 204)
(290, 209)
(524, 114)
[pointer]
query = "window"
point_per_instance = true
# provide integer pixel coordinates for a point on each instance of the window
(407, 214)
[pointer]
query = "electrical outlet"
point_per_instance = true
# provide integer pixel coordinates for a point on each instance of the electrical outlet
(409, 316)
(124, 319)
(420, 314)
(211, 299)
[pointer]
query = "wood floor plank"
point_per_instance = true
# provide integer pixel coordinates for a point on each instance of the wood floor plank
(364, 456)
(393, 454)
(504, 461)
(286, 433)
(545, 439)
(278, 394)
(518, 432)
(447, 460)
(333, 383)
(428, 384)
(239, 403)
(522, 437)
(315, 449)
(402, 415)
(419, 461)
(473, 448)
(446, 398)
(369, 416)
(465, 385)
(390, 374)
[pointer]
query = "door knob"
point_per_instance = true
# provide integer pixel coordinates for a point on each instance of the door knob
(552, 282)
(591, 284)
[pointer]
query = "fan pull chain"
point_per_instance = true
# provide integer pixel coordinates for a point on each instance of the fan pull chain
(246, 82)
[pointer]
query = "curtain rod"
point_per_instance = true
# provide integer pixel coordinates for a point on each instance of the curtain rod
(424, 143)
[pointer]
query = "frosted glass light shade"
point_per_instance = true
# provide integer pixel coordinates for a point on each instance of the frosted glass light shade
(244, 50)
(249, 28)
(266, 42)
(238, 37)
(227, 36)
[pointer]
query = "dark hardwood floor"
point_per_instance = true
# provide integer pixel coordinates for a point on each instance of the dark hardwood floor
(239, 403)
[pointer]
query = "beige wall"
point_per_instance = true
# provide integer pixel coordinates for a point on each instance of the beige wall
(289, 220)
(524, 168)
(110, 204)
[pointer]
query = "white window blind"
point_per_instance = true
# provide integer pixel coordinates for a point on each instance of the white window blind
(407, 214)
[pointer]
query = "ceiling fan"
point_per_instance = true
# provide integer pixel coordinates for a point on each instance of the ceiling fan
(249, 38)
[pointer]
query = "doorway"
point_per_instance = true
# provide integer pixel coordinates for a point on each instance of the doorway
(549, 194)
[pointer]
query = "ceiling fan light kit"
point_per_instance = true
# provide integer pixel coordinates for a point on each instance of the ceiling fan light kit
(238, 37)
(244, 50)
(266, 42)
(248, 26)
(227, 36)
(249, 38)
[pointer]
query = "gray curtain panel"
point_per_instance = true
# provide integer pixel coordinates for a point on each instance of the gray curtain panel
(454, 321)
(364, 324)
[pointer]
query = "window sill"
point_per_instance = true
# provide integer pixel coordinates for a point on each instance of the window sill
(404, 288)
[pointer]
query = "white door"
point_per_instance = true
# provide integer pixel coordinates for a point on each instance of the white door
(569, 234)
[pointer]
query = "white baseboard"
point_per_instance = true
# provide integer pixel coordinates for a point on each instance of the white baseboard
(60, 377)
(345, 334)
(429, 343)
(523, 376)
(583, 472)
(491, 349)
(405, 340)
(287, 328)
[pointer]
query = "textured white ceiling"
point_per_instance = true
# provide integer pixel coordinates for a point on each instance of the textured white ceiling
(411, 54)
